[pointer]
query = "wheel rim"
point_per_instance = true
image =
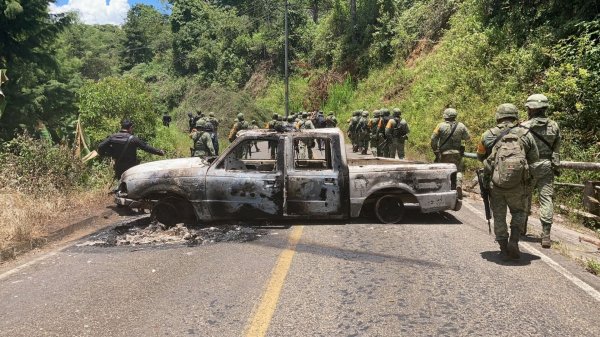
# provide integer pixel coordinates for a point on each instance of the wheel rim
(389, 209)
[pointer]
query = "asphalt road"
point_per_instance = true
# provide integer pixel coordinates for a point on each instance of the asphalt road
(435, 275)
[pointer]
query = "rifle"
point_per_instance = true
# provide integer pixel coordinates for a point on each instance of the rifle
(485, 195)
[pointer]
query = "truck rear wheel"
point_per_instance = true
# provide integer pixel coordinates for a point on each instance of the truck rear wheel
(389, 209)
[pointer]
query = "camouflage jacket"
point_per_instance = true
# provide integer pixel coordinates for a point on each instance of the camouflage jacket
(547, 138)
(441, 133)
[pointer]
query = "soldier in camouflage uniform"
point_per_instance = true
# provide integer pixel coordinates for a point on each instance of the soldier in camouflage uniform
(305, 147)
(330, 120)
(547, 138)
(374, 135)
(446, 143)
(203, 143)
(397, 132)
(238, 126)
(352, 130)
(514, 198)
(384, 147)
(362, 132)
(215, 133)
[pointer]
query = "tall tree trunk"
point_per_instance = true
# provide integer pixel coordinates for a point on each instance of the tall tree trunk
(315, 10)
(353, 18)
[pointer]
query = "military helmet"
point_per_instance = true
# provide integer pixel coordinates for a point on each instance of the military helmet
(291, 118)
(275, 116)
(507, 110)
(356, 113)
(450, 113)
(365, 113)
(330, 113)
(240, 116)
(253, 121)
(385, 112)
(211, 114)
(394, 110)
(376, 113)
(537, 101)
(304, 114)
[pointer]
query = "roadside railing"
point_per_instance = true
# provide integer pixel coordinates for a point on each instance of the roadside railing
(591, 189)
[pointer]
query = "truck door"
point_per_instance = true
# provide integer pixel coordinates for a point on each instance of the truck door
(313, 180)
(248, 181)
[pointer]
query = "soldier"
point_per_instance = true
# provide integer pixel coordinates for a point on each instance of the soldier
(203, 143)
(384, 147)
(446, 143)
(254, 126)
(362, 132)
(373, 132)
(215, 133)
(122, 147)
(330, 120)
(305, 147)
(507, 152)
(351, 130)
(547, 138)
(397, 132)
(239, 125)
(271, 124)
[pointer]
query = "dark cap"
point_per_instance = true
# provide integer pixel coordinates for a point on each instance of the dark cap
(126, 124)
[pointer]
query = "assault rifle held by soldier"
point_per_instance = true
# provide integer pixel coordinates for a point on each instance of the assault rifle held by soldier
(485, 195)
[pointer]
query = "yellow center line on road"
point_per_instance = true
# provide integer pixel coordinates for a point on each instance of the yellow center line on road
(261, 318)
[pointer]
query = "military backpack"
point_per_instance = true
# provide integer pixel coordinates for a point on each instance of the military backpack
(509, 160)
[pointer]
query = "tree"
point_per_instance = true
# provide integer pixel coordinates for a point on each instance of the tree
(27, 33)
(144, 29)
(104, 104)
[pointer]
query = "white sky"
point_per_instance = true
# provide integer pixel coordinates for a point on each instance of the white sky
(95, 11)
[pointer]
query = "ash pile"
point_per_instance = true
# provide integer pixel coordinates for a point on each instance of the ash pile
(146, 232)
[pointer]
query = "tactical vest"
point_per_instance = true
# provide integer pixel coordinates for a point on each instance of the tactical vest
(400, 128)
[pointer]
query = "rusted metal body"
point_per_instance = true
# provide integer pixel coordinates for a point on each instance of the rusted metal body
(281, 184)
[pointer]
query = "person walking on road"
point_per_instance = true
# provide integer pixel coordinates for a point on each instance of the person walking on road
(397, 132)
(447, 144)
(122, 147)
(547, 138)
(507, 152)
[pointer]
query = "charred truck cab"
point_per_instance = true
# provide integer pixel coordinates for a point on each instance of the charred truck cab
(265, 175)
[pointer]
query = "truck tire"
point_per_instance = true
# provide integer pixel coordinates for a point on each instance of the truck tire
(173, 210)
(389, 209)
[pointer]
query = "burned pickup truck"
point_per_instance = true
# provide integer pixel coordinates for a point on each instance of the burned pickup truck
(266, 175)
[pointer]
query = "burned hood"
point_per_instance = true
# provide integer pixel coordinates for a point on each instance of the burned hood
(171, 168)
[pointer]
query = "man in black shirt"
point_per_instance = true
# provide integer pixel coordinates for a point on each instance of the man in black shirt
(122, 147)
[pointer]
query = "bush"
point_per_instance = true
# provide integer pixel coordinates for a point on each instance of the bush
(36, 167)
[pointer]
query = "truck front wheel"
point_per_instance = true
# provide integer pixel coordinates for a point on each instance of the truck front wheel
(389, 209)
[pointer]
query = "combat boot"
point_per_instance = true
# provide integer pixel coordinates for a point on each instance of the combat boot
(546, 241)
(513, 243)
(503, 249)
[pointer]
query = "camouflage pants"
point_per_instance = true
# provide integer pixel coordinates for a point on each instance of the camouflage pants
(305, 149)
(375, 140)
(363, 141)
(396, 146)
(456, 159)
(516, 201)
(543, 179)
(385, 148)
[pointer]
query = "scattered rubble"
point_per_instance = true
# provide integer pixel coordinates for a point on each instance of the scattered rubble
(142, 231)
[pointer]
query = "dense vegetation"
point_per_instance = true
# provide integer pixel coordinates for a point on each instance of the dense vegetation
(227, 56)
